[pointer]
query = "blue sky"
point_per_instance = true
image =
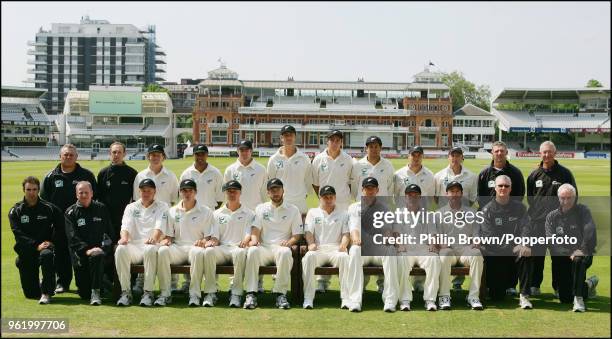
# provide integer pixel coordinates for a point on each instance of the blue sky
(522, 44)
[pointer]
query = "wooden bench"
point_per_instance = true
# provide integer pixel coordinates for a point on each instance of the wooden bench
(296, 275)
(378, 270)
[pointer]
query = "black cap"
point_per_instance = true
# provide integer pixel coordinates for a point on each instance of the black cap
(454, 183)
(287, 129)
(146, 182)
(187, 183)
(245, 144)
(456, 149)
(416, 149)
(200, 148)
(232, 184)
(274, 182)
(325, 190)
(372, 139)
(335, 132)
(412, 188)
(369, 181)
(156, 148)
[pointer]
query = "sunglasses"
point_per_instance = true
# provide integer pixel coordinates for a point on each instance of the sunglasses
(504, 186)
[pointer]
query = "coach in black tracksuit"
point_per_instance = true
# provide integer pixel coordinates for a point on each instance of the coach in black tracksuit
(505, 216)
(573, 220)
(33, 222)
(88, 227)
(542, 185)
(59, 188)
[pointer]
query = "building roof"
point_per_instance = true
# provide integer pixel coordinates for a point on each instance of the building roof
(471, 110)
(520, 120)
(517, 94)
(22, 92)
(328, 85)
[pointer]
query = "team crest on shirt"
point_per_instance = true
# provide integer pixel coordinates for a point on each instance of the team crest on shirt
(406, 181)
(324, 167)
(318, 220)
(25, 219)
(177, 218)
(279, 164)
(223, 220)
(491, 184)
(266, 216)
(81, 222)
(364, 171)
(208, 181)
(236, 176)
(498, 221)
(59, 183)
(284, 217)
(136, 214)
(296, 162)
(559, 230)
(539, 183)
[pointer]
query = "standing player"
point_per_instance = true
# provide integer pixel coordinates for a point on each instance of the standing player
(293, 168)
(58, 188)
(415, 173)
(250, 174)
(188, 230)
(277, 226)
(455, 171)
(139, 241)
(89, 232)
(207, 177)
(33, 222)
(327, 234)
(542, 186)
(233, 221)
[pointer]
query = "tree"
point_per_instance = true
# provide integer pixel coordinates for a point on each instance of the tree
(463, 91)
(154, 88)
(593, 83)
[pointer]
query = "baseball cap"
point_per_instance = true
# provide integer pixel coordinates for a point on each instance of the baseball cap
(200, 148)
(274, 182)
(245, 144)
(416, 149)
(412, 188)
(146, 182)
(325, 190)
(335, 132)
(232, 184)
(287, 129)
(456, 149)
(187, 183)
(156, 148)
(372, 139)
(454, 183)
(369, 181)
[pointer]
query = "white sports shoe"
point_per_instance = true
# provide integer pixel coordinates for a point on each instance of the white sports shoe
(430, 305)
(579, 304)
(125, 299)
(445, 302)
(163, 301)
(389, 307)
(344, 304)
(44, 299)
(209, 300)
(355, 307)
(147, 299)
(405, 305)
(308, 304)
(282, 303)
(475, 303)
(234, 301)
(194, 301)
(95, 298)
(250, 302)
(524, 302)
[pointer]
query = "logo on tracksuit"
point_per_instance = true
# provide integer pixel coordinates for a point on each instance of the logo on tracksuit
(81, 222)
(25, 219)
(59, 183)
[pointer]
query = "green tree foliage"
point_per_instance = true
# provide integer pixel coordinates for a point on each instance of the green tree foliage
(593, 83)
(463, 91)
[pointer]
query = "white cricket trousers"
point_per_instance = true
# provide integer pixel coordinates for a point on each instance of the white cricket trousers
(430, 263)
(180, 255)
(466, 256)
(223, 254)
(264, 255)
(126, 255)
(324, 255)
(355, 275)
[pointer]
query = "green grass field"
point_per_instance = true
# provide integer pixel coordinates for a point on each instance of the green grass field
(548, 319)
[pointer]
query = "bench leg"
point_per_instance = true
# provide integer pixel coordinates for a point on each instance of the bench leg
(297, 290)
(116, 286)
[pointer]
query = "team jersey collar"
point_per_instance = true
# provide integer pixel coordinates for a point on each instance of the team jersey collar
(554, 166)
(449, 170)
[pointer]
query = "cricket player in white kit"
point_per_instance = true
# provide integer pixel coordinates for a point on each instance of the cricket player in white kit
(455, 171)
(250, 174)
(233, 221)
(327, 234)
(293, 168)
(357, 261)
(139, 241)
(415, 173)
(208, 178)
(422, 255)
(373, 165)
(277, 227)
(188, 230)
(467, 255)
